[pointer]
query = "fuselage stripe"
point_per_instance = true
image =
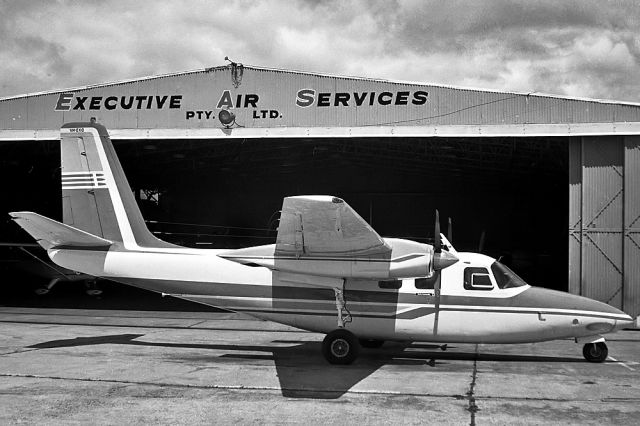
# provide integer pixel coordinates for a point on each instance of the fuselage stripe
(408, 307)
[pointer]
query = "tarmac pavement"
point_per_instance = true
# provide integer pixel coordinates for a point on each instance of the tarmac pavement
(62, 366)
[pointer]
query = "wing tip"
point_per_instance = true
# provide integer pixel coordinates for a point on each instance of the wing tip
(321, 198)
(24, 215)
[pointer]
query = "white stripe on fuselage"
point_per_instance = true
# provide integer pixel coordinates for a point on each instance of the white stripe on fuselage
(407, 307)
(540, 310)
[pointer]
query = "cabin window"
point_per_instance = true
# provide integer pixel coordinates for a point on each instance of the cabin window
(427, 283)
(390, 284)
(477, 279)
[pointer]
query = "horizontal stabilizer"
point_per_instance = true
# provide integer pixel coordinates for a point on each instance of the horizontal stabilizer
(55, 235)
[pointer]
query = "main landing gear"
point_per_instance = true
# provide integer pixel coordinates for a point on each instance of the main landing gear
(341, 346)
(595, 352)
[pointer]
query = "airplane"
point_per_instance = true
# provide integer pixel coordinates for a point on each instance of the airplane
(328, 272)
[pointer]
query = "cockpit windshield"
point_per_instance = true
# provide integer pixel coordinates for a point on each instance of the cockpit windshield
(505, 277)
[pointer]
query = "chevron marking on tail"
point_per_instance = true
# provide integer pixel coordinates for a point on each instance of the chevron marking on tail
(83, 180)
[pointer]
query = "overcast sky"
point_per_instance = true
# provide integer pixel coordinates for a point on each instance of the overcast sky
(575, 48)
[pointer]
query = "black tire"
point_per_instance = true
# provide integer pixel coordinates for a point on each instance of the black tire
(371, 343)
(595, 352)
(340, 347)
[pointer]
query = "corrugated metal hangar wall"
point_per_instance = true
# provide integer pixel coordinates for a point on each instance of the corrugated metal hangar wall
(602, 140)
(604, 219)
(272, 103)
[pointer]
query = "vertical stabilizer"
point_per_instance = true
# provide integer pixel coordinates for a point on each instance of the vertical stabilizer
(96, 196)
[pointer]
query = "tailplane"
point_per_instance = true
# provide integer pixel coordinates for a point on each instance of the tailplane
(52, 235)
(96, 197)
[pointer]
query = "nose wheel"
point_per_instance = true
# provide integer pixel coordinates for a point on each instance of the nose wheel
(595, 352)
(340, 347)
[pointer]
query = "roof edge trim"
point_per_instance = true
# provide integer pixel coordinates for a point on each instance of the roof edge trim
(471, 131)
(318, 74)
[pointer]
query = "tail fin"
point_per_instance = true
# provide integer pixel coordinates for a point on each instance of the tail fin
(96, 197)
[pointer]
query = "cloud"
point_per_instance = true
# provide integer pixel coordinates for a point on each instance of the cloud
(583, 48)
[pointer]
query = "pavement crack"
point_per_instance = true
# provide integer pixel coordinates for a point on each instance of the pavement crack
(472, 407)
(19, 351)
(289, 389)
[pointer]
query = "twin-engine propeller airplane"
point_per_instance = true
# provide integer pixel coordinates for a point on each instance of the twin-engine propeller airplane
(328, 272)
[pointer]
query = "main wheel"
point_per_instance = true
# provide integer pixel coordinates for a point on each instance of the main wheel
(371, 343)
(595, 352)
(340, 347)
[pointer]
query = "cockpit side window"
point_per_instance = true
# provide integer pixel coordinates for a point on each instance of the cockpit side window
(477, 279)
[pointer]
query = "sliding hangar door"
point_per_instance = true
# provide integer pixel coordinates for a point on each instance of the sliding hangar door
(211, 153)
(604, 220)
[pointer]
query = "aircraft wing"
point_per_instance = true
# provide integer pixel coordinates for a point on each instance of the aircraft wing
(325, 226)
(51, 234)
(321, 240)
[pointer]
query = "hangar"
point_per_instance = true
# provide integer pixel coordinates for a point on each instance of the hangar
(550, 184)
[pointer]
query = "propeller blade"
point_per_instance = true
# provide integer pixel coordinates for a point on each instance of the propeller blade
(437, 244)
(481, 244)
(437, 303)
(450, 232)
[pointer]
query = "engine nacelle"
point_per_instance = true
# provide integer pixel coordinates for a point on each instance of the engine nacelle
(405, 259)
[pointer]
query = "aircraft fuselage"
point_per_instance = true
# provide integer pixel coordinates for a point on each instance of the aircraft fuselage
(405, 309)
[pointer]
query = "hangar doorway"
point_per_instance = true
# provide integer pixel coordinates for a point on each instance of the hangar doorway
(507, 197)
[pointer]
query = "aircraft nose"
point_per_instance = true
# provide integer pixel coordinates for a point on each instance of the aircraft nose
(604, 317)
(610, 318)
(626, 322)
(619, 318)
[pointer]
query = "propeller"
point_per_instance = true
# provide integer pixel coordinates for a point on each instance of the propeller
(483, 235)
(441, 259)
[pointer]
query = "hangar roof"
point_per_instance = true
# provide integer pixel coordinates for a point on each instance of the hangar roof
(278, 103)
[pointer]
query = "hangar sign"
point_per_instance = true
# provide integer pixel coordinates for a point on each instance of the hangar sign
(264, 99)
(304, 98)
(309, 97)
(68, 101)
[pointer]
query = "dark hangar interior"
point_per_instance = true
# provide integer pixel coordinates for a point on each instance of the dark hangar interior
(506, 197)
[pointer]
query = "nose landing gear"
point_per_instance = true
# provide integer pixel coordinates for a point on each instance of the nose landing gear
(595, 352)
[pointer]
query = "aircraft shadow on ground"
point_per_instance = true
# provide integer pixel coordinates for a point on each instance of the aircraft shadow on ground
(301, 369)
